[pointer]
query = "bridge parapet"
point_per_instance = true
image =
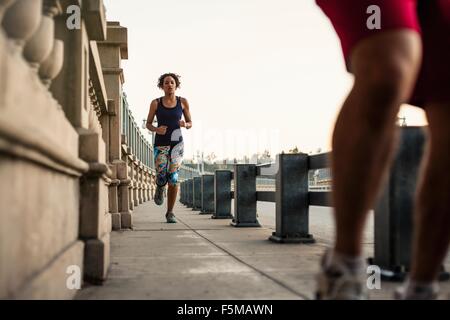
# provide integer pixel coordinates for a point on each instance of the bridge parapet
(295, 188)
(62, 145)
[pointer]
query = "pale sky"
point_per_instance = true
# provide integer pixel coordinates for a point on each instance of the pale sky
(258, 74)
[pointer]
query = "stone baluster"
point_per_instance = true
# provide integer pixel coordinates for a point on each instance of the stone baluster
(138, 183)
(147, 189)
(51, 67)
(131, 185)
(145, 186)
(150, 182)
(141, 183)
(4, 4)
(135, 181)
(152, 185)
(22, 19)
(40, 45)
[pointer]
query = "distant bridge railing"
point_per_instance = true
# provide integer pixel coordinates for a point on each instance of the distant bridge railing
(293, 195)
(137, 153)
(132, 136)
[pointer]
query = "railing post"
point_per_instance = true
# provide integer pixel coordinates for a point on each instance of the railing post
(207, 194)
(197, 193)
(245, 196)
(222, 195)
(394, 210)
(291, 197)
(185, 191)
(188, 193)
(182, 192)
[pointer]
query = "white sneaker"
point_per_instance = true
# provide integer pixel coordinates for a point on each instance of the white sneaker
(410, 291)
(336, 281)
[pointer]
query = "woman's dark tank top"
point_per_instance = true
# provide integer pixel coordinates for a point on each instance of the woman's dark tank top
(169, 117)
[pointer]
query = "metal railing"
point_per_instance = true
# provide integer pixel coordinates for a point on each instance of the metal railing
(139, 146)
(293, 196)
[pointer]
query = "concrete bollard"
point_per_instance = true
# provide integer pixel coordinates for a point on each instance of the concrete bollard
(394, 210)
(245, 196)
(207, 194)
(292, 204)
(189, 194)
(222, 194)
(185, 192)
(182, 184)
(197, 192)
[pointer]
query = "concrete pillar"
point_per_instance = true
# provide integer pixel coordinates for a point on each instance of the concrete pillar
(222, 194)
(190, 194)
(40, 166)
(112, 51)
(197, 193)
(394, 210)
(80, 88)
(130, 195)
(126, 218)
(130, 168)
(185, 192)
(291, 197)
(207, 193)
(113, 199)
(95, 220)
(182, 192)
(245, 196)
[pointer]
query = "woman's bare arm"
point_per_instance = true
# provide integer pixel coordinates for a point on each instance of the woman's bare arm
(151, 116)
(187, 113)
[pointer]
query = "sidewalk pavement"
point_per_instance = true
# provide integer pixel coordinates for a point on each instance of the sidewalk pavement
(207, 259)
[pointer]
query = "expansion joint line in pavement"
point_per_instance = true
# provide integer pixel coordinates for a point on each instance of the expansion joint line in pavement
(301, 295)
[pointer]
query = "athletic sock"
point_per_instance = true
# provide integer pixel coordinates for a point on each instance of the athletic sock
(354, 264)
(419, 287)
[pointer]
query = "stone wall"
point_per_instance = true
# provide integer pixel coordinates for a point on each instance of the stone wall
(66, 182)
(39, 165)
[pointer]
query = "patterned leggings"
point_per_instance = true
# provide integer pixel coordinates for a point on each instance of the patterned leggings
(167, 163)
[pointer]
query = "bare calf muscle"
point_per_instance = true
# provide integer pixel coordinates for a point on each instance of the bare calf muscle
(403, 62)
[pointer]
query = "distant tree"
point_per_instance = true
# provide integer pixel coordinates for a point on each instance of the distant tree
(295, 150)
(264, 157)
(266, 154)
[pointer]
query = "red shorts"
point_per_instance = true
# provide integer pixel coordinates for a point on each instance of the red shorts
(430, 18)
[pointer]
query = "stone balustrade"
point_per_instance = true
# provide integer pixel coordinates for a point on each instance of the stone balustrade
(138, 153)
(39, 157)
(76, 163)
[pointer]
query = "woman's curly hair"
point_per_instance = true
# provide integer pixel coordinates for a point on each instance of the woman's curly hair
(173, 75)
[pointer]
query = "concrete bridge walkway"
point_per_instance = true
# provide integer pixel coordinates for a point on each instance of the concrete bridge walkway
(202, 258)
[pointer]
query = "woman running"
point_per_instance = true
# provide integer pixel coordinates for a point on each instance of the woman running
(168, 144)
